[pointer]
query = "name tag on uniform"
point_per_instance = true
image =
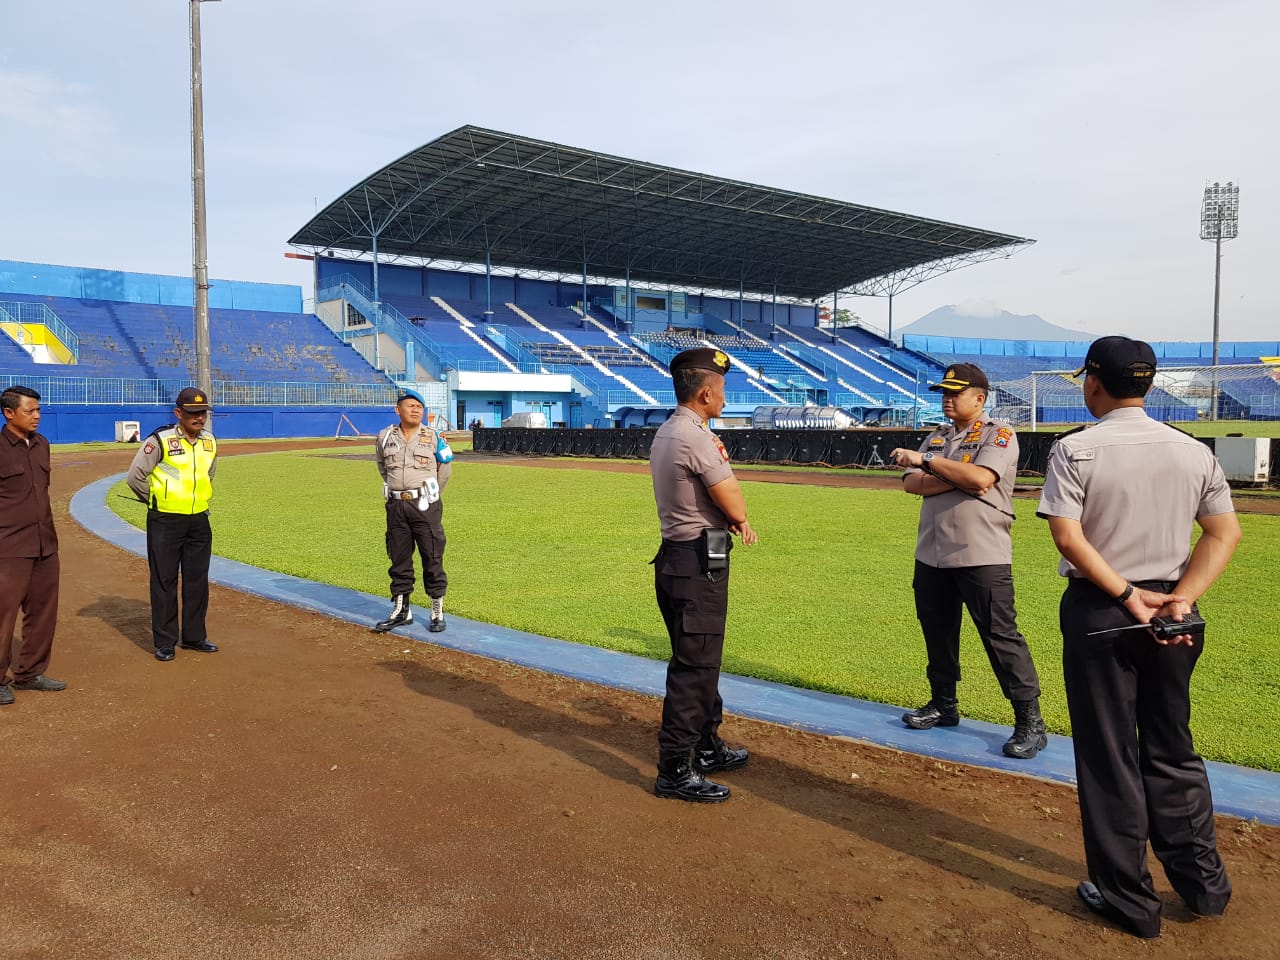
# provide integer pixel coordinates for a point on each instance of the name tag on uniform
(175, 447)
(1082, 455)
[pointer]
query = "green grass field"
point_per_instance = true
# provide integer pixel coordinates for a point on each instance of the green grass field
(823, 601)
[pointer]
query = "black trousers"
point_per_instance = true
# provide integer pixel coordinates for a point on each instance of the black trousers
(30, 586)
(407, 526)
(1139, 776)
(693, 608)
(987, 592)
(178, 542)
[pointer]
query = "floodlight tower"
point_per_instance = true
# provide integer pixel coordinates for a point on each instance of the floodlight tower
(199, 238)
(1219, 220)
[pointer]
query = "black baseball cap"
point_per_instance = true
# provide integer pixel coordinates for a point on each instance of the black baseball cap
(1119, 358)
(192, 400)
(962, 376)
(701, 358)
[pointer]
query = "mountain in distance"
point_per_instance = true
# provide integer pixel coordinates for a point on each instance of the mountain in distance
(987, 322)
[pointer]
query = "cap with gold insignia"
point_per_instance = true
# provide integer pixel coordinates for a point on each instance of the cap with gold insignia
(406, 394)
(701, 358)
(192, 400)
(962, 376)
(1119, 358)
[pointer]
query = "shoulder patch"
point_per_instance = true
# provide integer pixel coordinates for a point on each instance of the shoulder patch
(1003, 436)
(1180, 430)
(149, 447)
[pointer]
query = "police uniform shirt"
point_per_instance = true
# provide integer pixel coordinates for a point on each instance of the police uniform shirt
(406, 464)
(1135, 485)
(955, 529)
(685, 459)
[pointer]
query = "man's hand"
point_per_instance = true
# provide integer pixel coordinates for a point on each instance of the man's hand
(1145, 604)
(747, 535)
(1175, 608)
(903, 457)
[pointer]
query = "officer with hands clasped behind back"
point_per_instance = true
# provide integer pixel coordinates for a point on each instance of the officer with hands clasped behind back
(964, 555)
(1120, 498)
(699, 505)
(415, 463)
(172, 473)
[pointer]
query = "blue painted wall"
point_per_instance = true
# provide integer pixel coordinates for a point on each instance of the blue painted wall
(87, 283)
(68, 423)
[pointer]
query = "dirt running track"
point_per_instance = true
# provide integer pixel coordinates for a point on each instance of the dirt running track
(318, 791)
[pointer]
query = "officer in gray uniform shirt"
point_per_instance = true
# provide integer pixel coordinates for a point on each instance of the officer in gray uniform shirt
(1120, 498)
(415, 463)
(964, 557)
(699, 504)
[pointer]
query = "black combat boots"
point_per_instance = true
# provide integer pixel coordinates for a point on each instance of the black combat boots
(680, 779)
(719, 756)
(1028, 731)
(942, 710)
(437, 615)
(401, 613)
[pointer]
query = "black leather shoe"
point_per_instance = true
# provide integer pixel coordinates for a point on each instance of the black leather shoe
(6, 695)
(1093, 899)
(936, 713)
(436, 626)
(204, 646)
(679, 779)
(47, 684)
(401, 613)
(719, 757)
(164, 655)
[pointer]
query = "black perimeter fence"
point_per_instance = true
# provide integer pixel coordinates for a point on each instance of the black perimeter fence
(833, 448)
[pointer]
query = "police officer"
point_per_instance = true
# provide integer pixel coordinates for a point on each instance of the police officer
(1120, 498)
(699, 503)
(172, 473)
(415, 463)
(964, 555)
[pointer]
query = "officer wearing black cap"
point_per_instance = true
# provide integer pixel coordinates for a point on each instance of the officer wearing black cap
(699, 504)
(964, 554)
(1120, 498)
(172, 473)
(415, 463)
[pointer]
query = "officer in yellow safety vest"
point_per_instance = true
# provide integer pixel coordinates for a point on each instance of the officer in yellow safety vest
(173, 473)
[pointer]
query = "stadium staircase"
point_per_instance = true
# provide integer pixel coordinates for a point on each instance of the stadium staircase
(468, 329)
(582, 356)
(384, 318)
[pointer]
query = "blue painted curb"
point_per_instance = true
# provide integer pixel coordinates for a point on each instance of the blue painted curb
(1239, 791)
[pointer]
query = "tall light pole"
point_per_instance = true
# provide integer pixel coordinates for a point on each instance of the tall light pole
(199, 239)
(1219, 220)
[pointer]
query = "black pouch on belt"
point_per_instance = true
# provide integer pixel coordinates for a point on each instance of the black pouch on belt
(713, 550)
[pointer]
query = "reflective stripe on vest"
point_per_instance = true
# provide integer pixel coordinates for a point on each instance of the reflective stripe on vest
(180, 481)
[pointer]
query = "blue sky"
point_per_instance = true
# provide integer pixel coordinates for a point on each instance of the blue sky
(1092, 129)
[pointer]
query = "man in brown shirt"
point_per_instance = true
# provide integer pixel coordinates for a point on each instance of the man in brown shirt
(28, 546)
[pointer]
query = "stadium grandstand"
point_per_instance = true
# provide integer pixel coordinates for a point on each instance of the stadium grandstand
(498, 274)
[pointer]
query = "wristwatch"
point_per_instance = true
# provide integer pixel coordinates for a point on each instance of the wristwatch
(926, 462)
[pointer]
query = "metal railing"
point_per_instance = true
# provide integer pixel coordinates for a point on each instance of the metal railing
(22, 313)
(385, 318)
(116, 391)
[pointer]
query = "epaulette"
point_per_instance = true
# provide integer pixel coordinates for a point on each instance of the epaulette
(1180, 430)
(159, 430)
(1067, 433)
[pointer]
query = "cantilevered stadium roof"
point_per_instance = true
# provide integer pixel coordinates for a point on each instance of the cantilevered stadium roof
(477, 194)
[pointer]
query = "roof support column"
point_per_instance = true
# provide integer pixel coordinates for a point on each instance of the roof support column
(585, 305)
(377, 308)
(890, 318)
(627, 312)
(774, 318)
(740, 292)
(488, 287)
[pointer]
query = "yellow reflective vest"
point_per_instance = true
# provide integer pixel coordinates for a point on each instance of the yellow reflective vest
(181, 482)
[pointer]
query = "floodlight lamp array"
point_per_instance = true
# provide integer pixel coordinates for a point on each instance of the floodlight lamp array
(1220, 211)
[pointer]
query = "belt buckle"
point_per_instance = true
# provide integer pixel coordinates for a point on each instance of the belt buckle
(407, 495)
